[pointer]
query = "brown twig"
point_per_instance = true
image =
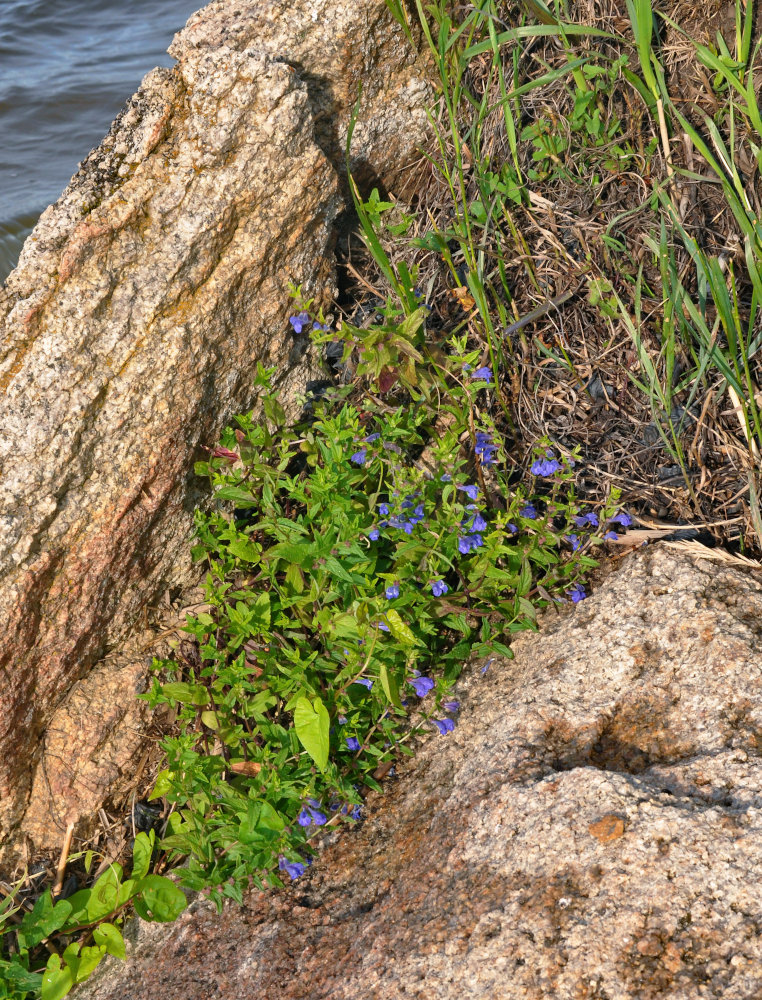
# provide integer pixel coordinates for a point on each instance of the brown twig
(61, 870)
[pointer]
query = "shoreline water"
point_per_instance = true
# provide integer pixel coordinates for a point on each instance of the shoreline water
(66, 71)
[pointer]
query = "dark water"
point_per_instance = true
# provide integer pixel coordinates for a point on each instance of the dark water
(67, 68)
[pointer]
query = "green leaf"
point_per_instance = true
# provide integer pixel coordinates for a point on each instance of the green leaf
(141, 854)
(243, 548)
(335, 568)
(162, 785)
(399, 629)
(104, 895)
(56, 982)
(19, 977)
(260, 619)
(525, 579)
(295, 578)
(159, 899)
(270, 819)
(43, 920)
(390, 686)
(109, 936)
(235, 493)
(312, 724)
(88, 961)
(186, 694)
(210, 720)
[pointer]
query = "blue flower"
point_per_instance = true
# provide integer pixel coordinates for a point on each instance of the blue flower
(299, 321)
(373, 534)
(444, 725)
(422, 685)
(621, 518)
(439, 588)
(357, 811)
(470, 490)
(590, 518)
(417, 514)
(383, 509)
(319, 326)
(365, 681)
(372, 437)
(482, 374)
(451, 706)
(478, 523)
(529, 512)
(353, 743)
(392, 591)
(486, 666)
(611, 536)
(512, 528)
(484, 448)
(294, 868)
(445, 478)
(383, 626)
(342, 720)
(359, 456)
(577, 593)
(469, 543)
(311, 815)
(573, 541)
(545, 467)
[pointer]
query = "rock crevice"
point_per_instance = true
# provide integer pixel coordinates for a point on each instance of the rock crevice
(143, 301)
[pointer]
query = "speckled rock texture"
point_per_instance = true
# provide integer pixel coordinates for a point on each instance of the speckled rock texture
(591, 830)
(145, 297)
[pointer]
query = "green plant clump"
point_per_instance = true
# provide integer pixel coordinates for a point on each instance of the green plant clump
(355, 562)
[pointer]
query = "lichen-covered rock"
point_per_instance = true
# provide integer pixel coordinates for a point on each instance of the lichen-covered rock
(590, 829)
(144, 299)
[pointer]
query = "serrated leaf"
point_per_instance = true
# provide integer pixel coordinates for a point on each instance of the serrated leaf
(312, 726)
(399, 629)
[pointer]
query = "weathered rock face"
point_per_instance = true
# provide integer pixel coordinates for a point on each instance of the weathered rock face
(143, 301)
(591, 829)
